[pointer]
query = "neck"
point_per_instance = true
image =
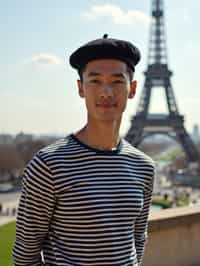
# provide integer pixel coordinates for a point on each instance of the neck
(103, 136)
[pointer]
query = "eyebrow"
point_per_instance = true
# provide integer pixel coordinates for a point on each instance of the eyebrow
(117, 75)
(92, 74)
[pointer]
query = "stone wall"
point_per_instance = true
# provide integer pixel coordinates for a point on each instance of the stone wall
(173, 238)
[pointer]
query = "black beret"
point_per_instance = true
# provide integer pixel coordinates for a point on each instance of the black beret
(105, 48)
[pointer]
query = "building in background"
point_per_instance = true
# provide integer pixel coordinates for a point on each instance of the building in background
(195, 133)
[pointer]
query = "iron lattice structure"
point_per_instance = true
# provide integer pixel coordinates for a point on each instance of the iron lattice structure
(144, 124)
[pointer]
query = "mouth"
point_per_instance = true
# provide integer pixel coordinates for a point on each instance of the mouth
(106, 105)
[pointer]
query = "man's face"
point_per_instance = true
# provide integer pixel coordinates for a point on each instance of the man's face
(106, 87)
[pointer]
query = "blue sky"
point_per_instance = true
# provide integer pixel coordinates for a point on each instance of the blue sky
(38, 92)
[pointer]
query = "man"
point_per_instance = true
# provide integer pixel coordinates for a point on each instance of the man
(86, 198)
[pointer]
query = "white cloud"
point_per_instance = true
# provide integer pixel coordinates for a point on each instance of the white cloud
(186, 17)
(117, 14)
(45, 59)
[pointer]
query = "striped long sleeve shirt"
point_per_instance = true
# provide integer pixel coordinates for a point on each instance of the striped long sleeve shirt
(81, 206)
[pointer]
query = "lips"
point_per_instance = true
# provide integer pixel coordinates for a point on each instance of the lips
(106, 105)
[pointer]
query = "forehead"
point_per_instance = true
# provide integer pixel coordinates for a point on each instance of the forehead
(108, 66)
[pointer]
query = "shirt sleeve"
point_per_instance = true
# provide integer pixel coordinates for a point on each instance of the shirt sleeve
(34, 213)
(141, 224)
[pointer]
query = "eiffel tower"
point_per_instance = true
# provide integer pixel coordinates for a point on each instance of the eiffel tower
(158, 75)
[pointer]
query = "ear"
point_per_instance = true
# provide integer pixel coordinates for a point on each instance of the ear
(133, 87)
(80, 88)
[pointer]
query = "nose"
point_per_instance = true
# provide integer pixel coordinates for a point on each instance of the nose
(106, 91)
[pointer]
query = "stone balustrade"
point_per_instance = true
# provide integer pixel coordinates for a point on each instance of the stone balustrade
(173, 237)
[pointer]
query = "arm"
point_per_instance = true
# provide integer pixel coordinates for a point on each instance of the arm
(141, 224)
(34, 213)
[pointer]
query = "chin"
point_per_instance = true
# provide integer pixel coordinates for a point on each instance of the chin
(109, 118)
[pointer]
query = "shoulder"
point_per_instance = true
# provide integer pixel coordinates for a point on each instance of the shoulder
(57, 148)
(143, 163)
(48, 155)
(137, 155)
(51, 153)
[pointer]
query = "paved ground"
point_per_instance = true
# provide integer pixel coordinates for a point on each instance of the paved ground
(9, 197)
(9, 202)
(6, 219)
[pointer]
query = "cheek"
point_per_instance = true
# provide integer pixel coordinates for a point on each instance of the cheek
(90, 98)
(123, 100)
(123, 95)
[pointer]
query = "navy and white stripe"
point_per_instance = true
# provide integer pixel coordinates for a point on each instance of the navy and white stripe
(82, 206)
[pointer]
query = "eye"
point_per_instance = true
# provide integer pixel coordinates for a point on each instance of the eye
(95, 81)
(118, 81)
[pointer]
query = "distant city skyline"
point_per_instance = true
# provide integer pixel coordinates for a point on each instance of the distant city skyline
(38, 92)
